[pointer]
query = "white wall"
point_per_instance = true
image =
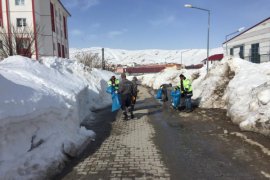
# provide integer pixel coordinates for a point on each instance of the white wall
(46, 37)
(59, 36)
(259, 34)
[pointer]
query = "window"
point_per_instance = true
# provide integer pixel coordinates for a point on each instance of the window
(23, 47)
(21, 22)
(59, 49)
(53, 46)
(19, 2)
(65, 26)
(241, 52)
(63, 51)
(255, 55)
(231, 51)
(22, 43)
(52, 17)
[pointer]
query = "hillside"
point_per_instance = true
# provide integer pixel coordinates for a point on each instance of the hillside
(151, 56)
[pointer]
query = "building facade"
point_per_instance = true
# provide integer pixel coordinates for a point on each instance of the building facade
(46, 18)
(252, 45)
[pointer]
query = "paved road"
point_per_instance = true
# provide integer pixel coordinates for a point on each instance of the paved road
(161, 143)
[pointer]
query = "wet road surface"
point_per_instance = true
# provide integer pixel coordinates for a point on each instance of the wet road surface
(161, 143)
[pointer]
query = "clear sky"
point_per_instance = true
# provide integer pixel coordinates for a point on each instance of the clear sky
(158, 24)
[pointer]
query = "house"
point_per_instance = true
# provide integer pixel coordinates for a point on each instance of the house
(173, 66)
(148, 68)
(194, 66)
(47, 19)
(252, 44)
(119, 70)
(144, 69)
(213, 58)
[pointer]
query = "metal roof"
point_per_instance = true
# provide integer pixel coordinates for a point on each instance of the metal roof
(64, 7)
(215, 57)
(247, 30)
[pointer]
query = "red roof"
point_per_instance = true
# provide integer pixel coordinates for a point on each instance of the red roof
(152, 69)
(215, 57)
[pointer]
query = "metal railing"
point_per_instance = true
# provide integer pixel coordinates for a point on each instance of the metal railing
(255, 55)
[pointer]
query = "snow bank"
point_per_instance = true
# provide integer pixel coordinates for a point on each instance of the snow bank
(42, 106)
(209, 89)
(165, 77)
(241, 87)
(248, 96)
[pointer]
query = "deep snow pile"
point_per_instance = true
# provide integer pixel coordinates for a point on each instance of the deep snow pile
(248, 96)
(42, 106)
(172, 76)
(165, 77)
(241, 87)
(151, 56)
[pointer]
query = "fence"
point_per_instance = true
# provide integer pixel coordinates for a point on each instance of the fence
(255, 54)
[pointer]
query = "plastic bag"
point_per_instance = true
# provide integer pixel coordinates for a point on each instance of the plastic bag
(115, 102)
(110, 89)
(175, 98)
(159, 94)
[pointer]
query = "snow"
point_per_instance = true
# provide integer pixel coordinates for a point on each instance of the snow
(264, 96)
(44, 103)
(165, 77)
(42, 107)
(239, 86)
(151, 56)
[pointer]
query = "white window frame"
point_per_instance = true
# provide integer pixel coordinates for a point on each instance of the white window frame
(21, 22)
(19, 2)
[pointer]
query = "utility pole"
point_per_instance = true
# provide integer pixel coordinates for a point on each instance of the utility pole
(208, 30)
(103, 61)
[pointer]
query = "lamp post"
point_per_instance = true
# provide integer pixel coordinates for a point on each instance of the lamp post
(182, 54)
(208, 31)
(226, 38)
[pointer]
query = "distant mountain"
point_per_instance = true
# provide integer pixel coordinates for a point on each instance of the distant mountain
(149, 56)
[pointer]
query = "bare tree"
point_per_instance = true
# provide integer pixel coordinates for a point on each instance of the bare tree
(18, 41)
(91, 60)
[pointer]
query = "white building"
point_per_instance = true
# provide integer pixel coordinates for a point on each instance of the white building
(252, 44)
(47, 19)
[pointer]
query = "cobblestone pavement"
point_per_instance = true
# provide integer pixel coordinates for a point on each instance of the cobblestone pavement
(161, 143)
(129, 153)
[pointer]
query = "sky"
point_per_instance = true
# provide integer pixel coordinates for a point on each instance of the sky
(159, 24)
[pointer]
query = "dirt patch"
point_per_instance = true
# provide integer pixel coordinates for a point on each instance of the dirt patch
(219, 91)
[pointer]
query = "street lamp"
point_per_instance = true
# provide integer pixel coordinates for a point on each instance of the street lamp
(208, 32)
(226, 39)
(182, 53)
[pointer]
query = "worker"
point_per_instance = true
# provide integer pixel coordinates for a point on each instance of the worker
(114, 83)
(185, 87)
(135, 90)
(126, 91)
